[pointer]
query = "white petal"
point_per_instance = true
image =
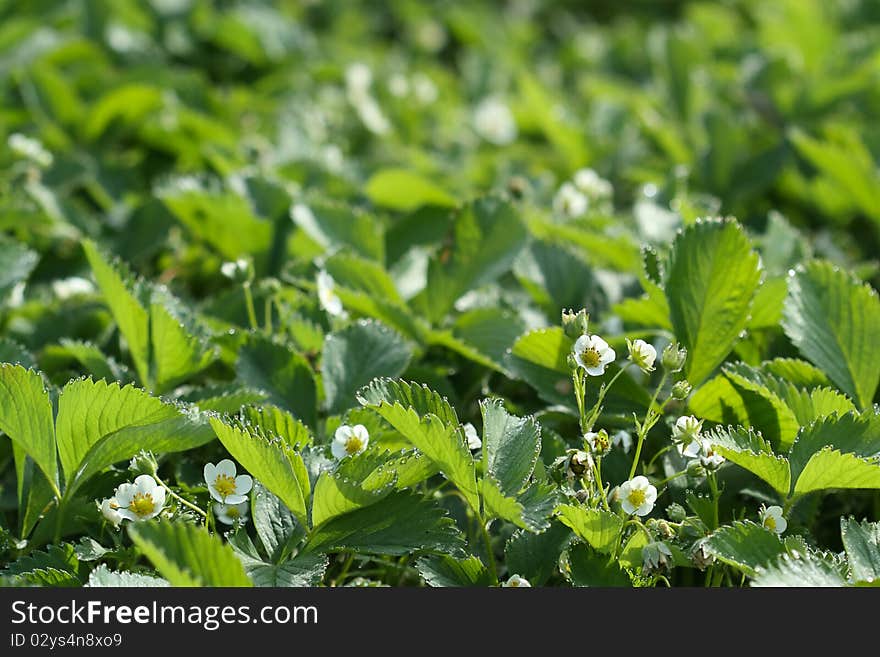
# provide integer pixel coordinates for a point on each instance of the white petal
(581, 344)
(214, 493)
(128, 515)
(781, 525)
(226, 467)
(158, 496)
(598, 343)
(210, 473)
(639, 481)
(235, 499)
(607, 356)
(625, 504)
(243, 484)
(596, 371)
(124, 494)
(361, 432)
(650, 495)
(145, 484)
(338, 449)
(645, 509)
(692, 450)
(343, 433)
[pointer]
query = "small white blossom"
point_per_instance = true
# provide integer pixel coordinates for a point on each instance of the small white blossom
(29, 148)
(424, 89)
(686, 435)
(517, 581)
(709, 458)
(224, 485)
(494, 122)
(637, 496)
(598, 441)
(110, 511)
(142, 500)
(349, 441)
(642, 354)
(771, 518)
(569, 202)
(473, 440)
(66, 288)
(230, 513)
(592, 184)
(398, 85)
(16, 295)
(327, 296)
(236, 270)
(358, 80)
(372, 117)
(622, 439)
(593, 354)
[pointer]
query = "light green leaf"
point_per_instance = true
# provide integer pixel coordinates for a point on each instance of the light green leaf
(746, 546)
(122, 295)
(362, 275)
(488, 237)
(187, 555)
(302, 570)
(275, 525)
(631, 556)
(402, 523)
(862, 545)
(596, 527)
(829, 469)
(750, 451)
(26, 416)
(799, 571)
(102, 577)
(511, 446)
(834, 321)
(355, 356)
(848, 433)
(276, 422)
(405, 191)
(335, 225)
(281, 373)
(712, 279)
(280, 469)
(343, 491)
(540, 358)
(490, 331)
(177, 354)
(531, 510)
(446, 571)
(586, 567)
(417, 396)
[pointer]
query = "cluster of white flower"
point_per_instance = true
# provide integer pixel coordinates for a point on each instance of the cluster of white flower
(349, 441)
(494, 122)
(358, 88)
(690, 442)
(141, 500)
(586, 191)
(229, 491)
(419, 86)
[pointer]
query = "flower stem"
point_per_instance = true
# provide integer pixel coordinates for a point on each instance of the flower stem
(182, 501)
(493, 568)
(670, 478)
(650, 419)
(249, 302)
(713, 486)
(267, 311)
(597, 466)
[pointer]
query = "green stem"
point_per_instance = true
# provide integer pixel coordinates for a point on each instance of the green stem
(659, 453)
(713, 486)
(59, 518)
(493, 568)
(649, 422)
(597, 467)
(603, 391)
(267, 311)
(180, 500)
(670, 478)
(249, 302)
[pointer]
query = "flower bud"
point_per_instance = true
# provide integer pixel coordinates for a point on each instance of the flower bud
(580, 462)
(681, 389)
(701, 556)
(575, 324)
(240, 271)
(656, 557)
(676, 512)
(642, 354)
(660, 527)
(695, 470)
(674, 357)
(572, 363)
(143, 463)
(598, 442)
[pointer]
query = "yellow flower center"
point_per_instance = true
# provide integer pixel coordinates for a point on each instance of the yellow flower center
(233, 512)
(353, 445)
(636, 497)
(141, 505)
(514, 583)
(770, 523)
(590, 357)
(225, 485)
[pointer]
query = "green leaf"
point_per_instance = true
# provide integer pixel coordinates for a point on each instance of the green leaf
(276, 422)
(750, 451)
(531, 510)
(187, 555)
(835, 322)
(848, 433)
(355, 356)
(284, 375)
(746, 546)
(586, 567)
(334, 225)
(536, 556)
(712, 279)
(799, 571)
(488, 236)
(122, 293)
(15, 354)
(177, 354)
(102, 423)
(490, 331)
(862, 545)
(540, 359)
(343, 491)
(631, 556)
(57, 565)
(26, 416)
(829, 468)
(400, 524)
(275, 525)
(446, 571)
(405, 191)
(362, 275)
(417, 396)
(302, 570)
(16, 264)
(102, 577)
(596, 527)
(511, 446)
(91, 358)
(271, 460)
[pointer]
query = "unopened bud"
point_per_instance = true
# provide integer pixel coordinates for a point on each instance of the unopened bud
(674, 357)
(676, 512)
(598, 442)
(575, 324)
(695, 470)
(681, 389)
(143, 463)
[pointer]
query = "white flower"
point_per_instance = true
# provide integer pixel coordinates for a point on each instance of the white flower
(142, 500)
(371, 116)
(398, 85)
(224, 485)
(16, 295)
(709, 458)
(473, 440)
(110, 511)
(230, 513)
(771, 518)
(327, 297)
(348, 441)
(494, 122)
(593, 354)
(642, 354)
(237, 270)
(517, 581)
(622, 439)
(424, 89)
(598, 441)
(686, 435)
(30, 148)
(72, 287)
(358, 79)
(569, 202)
(592, 184)
(637, 496)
